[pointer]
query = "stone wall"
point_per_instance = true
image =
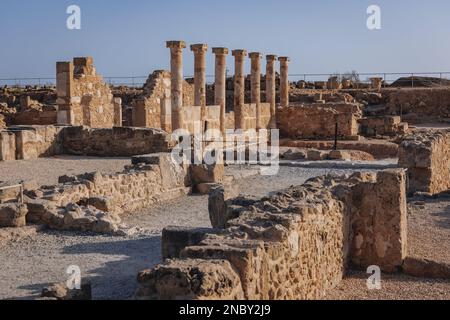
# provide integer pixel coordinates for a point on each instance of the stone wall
(30, 142)
(419, 105)
(317, 120)
(93, 201)
(17, 143)
(296, 244)
(426, 154)
(83, 97)
(114, 142)
(153, 108)
(383, 125)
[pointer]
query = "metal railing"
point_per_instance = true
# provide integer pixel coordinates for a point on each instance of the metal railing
(139, 81)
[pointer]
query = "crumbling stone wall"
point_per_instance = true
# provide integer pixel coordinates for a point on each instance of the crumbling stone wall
(382, 125)
(32, 142)
(419, 105)
(426, 154)
(24, 143)
(93, 201)
(317, 120)
(153, 108)
(83, 97)
(114, 142)
(296, 244)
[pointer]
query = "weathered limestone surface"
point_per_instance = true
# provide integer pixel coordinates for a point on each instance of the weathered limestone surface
(271, 89)
(317, 120)
(296, 244)
(284, 81)
(176, 70)
(13, 215)
(419, 105)
(382, 125)
(426, 154)
(239, 87)
(44, 141)
(83, 96)
(7, 145)
(118, 141)
(94, 201)
(220, 84)
(153, 108)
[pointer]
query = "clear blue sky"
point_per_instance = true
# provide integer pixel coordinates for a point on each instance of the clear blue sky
(127, 38)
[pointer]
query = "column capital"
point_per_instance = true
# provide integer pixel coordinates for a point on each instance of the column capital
(271, 57)
(220, 50)
(284, 59)
(173, 44)
(255, 55)
(199, 47)
(239, 53)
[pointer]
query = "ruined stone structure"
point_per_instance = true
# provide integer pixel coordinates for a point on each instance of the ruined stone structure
(317, 120)
(153, 108)
(426, 154)
(83, 97)
(382, 125)
(293, 245)
(24, 143)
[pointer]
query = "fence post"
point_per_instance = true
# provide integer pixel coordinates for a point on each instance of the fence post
(412, 80)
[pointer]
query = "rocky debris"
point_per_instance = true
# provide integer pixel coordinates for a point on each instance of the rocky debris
(426, 268)
(76, 217)
(189, 279)
(13, 215)
(292, 153)
(15, 234)
(60, 291)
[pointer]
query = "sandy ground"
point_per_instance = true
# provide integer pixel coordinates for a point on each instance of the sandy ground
(112, 263)
(47, 170)
(429, 238)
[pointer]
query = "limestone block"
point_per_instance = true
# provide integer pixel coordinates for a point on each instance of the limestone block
(175, 239)
(206, 173)
(60, 291)
(191, 279)
(13, 215)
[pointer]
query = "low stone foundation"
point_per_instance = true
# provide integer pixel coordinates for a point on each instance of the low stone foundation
(426, 154)
(93, 201)
(317, 120)
(25, 143)
(293, 245)
(384, 125)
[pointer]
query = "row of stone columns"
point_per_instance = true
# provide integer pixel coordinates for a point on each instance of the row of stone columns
(199, 50)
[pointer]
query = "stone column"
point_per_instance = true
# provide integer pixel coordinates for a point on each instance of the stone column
(64, 92)
(176, 69)
(200, 75)
(271, 89)
(239, 87)
(284, 81)
(117, 111)
(220, 93)
(255, 79)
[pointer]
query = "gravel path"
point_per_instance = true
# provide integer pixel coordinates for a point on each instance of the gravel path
(393, 287)
(47, 170)
(429, 230)
(112, 263)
